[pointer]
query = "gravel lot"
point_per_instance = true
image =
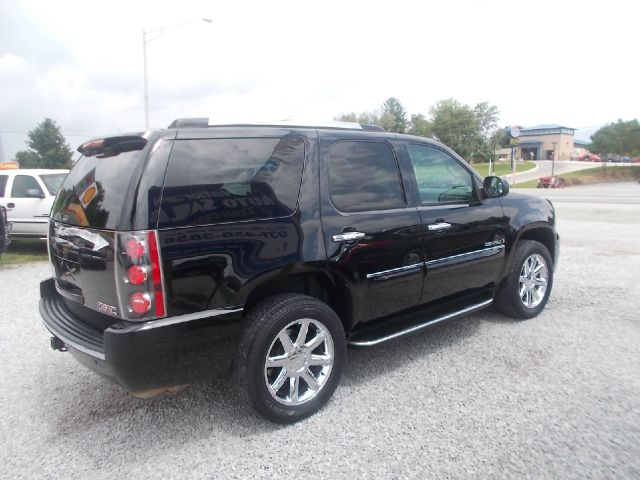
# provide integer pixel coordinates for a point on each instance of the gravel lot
(554, 397)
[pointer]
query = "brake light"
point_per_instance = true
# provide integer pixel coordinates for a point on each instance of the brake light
(112, 146)
(139, 276)
(134, 248)
(140, 303)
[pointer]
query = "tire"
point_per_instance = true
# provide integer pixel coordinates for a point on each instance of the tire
(520, 278)
(305, 373)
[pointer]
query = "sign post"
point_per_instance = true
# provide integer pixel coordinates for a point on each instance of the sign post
(515, 133)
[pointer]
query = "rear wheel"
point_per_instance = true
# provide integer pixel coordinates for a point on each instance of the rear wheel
(290, 357)
(525, 290)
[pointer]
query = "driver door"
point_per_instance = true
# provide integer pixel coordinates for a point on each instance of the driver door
(463, 232)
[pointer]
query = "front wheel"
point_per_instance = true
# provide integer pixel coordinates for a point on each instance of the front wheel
(526, 289)
(290, 357)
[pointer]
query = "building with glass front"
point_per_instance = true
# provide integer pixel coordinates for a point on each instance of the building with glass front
(542, 142)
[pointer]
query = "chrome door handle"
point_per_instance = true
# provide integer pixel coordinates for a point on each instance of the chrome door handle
(434, 227)
(348, 236)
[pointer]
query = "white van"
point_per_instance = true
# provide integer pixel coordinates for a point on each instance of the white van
(28, 195)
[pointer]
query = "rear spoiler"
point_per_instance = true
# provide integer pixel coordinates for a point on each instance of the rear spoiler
(112, 146)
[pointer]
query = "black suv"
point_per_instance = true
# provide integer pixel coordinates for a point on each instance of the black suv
(264, 250)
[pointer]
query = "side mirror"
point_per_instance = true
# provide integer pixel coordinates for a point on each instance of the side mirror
(34, 193)
(495, 187)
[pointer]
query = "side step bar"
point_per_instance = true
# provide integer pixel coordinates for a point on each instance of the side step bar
(375, 341)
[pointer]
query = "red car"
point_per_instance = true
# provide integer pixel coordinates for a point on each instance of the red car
(589, 157)
(551, 182)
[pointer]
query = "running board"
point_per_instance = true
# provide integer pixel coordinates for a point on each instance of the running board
(414, 328)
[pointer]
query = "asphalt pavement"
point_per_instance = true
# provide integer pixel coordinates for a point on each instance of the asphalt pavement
(557, 396)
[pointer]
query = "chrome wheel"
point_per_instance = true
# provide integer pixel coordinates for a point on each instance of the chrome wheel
(299, 362)
(534, 278)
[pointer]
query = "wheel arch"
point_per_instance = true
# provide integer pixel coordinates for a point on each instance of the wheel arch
(315, 283)
(540, 232)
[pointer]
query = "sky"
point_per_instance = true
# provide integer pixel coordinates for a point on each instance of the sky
(81, 62)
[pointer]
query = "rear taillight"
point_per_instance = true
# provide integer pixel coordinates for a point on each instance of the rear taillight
(139, 276)
(135, 248)
(140, 303)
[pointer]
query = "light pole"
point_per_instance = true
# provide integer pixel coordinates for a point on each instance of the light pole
(148, 37)
(553, 159)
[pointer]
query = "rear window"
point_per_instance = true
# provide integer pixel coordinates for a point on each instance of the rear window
(92, 193)
(226, 180)
(53, 181)
(364, 176)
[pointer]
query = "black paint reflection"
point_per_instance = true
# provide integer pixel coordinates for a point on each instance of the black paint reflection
(207, 267)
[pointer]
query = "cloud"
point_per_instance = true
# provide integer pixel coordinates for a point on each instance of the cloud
(80, 63)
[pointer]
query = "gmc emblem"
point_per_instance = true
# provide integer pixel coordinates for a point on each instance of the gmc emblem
(108, 309)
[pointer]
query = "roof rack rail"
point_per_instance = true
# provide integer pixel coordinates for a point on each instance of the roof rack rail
(372, 128)
(190, 122)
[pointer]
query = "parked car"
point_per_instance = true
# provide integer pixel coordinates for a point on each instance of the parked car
(615, 158)
(263, 251)
(5, 228)
(551, 182)
(588, 157)
(28, 195)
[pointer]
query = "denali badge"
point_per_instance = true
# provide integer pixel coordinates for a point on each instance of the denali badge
(108, 309)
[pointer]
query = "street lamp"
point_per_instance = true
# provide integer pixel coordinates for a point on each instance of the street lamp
(148, 37)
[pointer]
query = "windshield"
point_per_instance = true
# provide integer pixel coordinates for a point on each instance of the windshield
(53, 181)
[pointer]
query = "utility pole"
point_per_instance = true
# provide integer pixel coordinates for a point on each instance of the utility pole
(148, 37)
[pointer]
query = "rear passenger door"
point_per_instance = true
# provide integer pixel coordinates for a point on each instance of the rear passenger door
(372, 236)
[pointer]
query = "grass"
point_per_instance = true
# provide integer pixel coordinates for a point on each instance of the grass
(593, 175)
(502, 168)
(25, 251)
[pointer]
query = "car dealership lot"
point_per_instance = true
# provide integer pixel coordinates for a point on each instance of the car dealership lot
(555, 397)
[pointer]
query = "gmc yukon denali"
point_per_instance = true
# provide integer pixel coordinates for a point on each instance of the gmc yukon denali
(263, 251)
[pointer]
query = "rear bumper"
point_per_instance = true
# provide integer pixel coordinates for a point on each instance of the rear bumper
(147, 355)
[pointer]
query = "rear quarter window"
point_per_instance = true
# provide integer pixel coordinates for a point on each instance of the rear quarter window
(226, 180)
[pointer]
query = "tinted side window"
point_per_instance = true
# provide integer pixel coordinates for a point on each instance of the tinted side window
(3, 184)
(364, 176)
(231, 179)
(22, 183)
(441, 179)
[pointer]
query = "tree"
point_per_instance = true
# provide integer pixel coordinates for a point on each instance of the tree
(47, 148)
(420, 126)
(489, 133)
(366, 118)
(457, 126)
(394, 116)
(621, 138)
(487, 116)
